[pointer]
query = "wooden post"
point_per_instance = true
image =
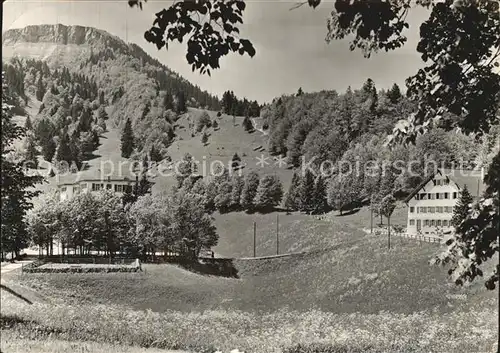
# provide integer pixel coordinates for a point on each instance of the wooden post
(389, 231)
(371, 218)
(254, 236)
(277, 234)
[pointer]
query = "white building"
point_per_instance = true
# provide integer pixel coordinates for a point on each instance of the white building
(73, 184)
(430, 205)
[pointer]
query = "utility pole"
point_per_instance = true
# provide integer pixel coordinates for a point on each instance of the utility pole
(389, 231)
(254, 232)
(277, 234)
(371, 218)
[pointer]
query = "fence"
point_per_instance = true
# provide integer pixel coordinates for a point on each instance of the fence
(425, 238)
(420, 237)
(84, 265)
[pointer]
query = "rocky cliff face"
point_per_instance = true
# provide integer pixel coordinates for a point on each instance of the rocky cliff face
(62, 35)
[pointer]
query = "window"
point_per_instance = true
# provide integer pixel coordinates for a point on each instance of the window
(454, 195)
(84, 186)
(412, 222)
(76, 189)
(422, 209)
(433, 223)
(63, 189)
(438, 196)
(426, 222)
(423, 196)
(416, 197)
(118, 188)
(97, 187)
(108, 186)
(446, 181)
(438, 223)
(431, 209)
(446, 195)
(439, 209)
(412, 209)
(445, 223)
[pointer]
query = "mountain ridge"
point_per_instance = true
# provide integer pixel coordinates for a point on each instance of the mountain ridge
(57, 33)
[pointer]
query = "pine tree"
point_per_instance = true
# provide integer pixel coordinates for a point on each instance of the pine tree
(31, 153)
(394, 94)
(292, 200)
(269, 192)
(237, 184)
(249, 190)
(142, 187)
(300, 92)
(28, 125)
(40, 89)
(320, 204)
(247, 124)
(48, 149)
(203, 121)
(101, 98)
(168, 102)
(127, 140)
(461, 209)
(76, 154)
(235, 161)
(204, 138)
(306, 192)
(181, 103)
(155, 154)
(145, 162)
(223, 199)
(101, 113)
(146, 110)
(63, 155)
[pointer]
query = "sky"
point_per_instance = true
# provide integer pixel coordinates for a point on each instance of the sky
(291, 47)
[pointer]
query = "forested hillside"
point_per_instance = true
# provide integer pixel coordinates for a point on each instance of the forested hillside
(344, 137)
(87, 81)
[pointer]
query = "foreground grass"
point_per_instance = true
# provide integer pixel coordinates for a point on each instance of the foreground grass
(208, 331)
(12, 343)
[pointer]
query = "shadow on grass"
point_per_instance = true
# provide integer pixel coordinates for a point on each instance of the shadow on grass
(210, 267)
(349, 212)
(265, 210)
(11, 321)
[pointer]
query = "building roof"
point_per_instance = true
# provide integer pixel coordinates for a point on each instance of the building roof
(472, 179)
(115, 173)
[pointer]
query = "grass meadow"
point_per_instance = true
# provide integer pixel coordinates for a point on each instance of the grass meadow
(347, 293)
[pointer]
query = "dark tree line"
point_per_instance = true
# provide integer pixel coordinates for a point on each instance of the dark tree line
(232, 105)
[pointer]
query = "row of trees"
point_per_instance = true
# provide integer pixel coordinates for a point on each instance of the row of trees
(231, 105)
(104, 223)
(225, 192)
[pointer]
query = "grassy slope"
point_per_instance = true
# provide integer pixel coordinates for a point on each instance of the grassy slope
(222, 144)
(346, 271)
